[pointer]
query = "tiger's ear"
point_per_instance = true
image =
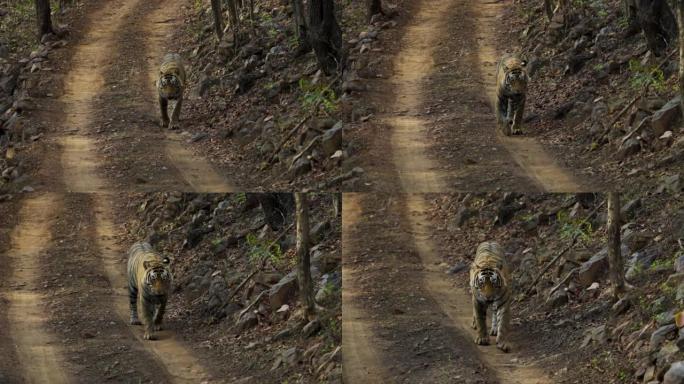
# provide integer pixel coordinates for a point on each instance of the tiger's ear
(146, 264)
(166, 260)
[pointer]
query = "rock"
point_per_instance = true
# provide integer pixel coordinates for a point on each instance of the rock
(557, 299)
(628, 211)
(640, 261)
(198, 137)
(628, 148)
(247, 321)
(678, 225)
(458, 267)
(680, 341)
(660, 334)
(594, 269)
(331, 141)
(671, 184)
(462, 216)
(284, 334)
(666, 117)
(621, 306)
(311, 328)
(301, 167)
(675, 375)
(316, 233)
(291, 357)
(282, 292)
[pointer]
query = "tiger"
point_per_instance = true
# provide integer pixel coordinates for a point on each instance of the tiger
(511, 90)
(489, 284)
(170, 85)
(149, 285)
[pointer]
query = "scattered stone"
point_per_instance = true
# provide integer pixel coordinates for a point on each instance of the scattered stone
(282, 292)
(301, 167)
(198, 137)
(311, 328)
(596, 267)
(557, 299)
(331, 141)
(629, 148)
(628, 211)
(246, 321)
(458, 267)
(621, 306)
(660, 334)
(675, 375)
(666, 117)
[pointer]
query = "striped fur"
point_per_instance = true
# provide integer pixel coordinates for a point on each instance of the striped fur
(511, 90)
(171, 84)
(489, 283)
(149, 284)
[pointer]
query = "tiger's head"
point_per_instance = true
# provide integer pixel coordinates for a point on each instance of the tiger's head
(516, 75)
(489, 283)
(169, 85)
(157, 280)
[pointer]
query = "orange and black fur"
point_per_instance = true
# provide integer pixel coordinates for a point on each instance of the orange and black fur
(149, 285)
(170, 85)
(511, 90)
(489, 284)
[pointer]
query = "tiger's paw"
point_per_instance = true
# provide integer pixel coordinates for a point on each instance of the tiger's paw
(504, 346)
(164, 123)
(149, 336)
(157, 327)
(135, 321)
(493, 332)
(516, 130)
(482, 340)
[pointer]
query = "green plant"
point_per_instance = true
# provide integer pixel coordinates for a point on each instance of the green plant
(239, 198)
(573, 227)
(314, 94)
(262, 249)
(644, 75)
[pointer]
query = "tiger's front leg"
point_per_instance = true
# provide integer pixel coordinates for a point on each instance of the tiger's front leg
(147, 314)
(175, 115)
(163, 108)
(480, 315)
(133, 298)
(518, 116)
(504, 318)
(502, 115)
(495, 316)
(159, 315)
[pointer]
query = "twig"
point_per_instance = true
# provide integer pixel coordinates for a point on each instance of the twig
(305, 150)
(565, 279)
(314, 110)
(356, 172)
(252, 303)
(558, 256)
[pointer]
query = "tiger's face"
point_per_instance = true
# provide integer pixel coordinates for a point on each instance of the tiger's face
(157, 280)
(516, 76)
(489, 283)
(169, 85)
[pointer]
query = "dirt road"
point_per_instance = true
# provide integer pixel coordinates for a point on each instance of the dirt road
(441, 117)
(414, 322)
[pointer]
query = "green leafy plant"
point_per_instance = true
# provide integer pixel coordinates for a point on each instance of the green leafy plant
(571, 227)
(644, 75)
(314, 94)
(262, 249)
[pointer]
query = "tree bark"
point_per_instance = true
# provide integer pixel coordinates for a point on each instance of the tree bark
(218, 18)
(374, 8)
(301, 29)
(658, 24)
(337, 204)
(277, 207)
(680, 22)
(304, 271)
(617, 275)
(43, 17)
(325, 35)
(234, 20)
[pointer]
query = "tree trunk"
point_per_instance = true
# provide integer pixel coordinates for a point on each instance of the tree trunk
(301, 30)
(374, 8)
(548, 7)
(234, 21)
(43, 18)
(658, 24)
(680, 22)
(277, 207)
(218, 18)
(325, 35)
(617, 275)
(304, 271)
(337, 204)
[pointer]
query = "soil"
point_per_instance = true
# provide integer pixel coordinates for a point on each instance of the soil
(413, 322)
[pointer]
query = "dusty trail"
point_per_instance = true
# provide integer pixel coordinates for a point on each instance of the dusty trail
(361, 362)
(526, 151)
(88, 101)
(456, 303)
(181, 365)
(38, 352)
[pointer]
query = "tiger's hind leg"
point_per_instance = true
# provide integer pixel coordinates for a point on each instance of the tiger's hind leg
(159, 315)
(175, 115)
(518, 116)
(504, 318)
(133, 298)
(163, 108)
(480, 315)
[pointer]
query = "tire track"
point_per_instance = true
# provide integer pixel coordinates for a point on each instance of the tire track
(361, 362)
(38, 352)
(457, 303)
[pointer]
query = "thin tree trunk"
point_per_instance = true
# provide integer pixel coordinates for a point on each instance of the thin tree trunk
(548, 7)
(218, 18)
(337, 204)
(680, 22)
(304, 271)
(658, 23)
(43, 18)
(301, 29)
(374, 8)
(325, 35)
(234, 21)
(617, 275)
